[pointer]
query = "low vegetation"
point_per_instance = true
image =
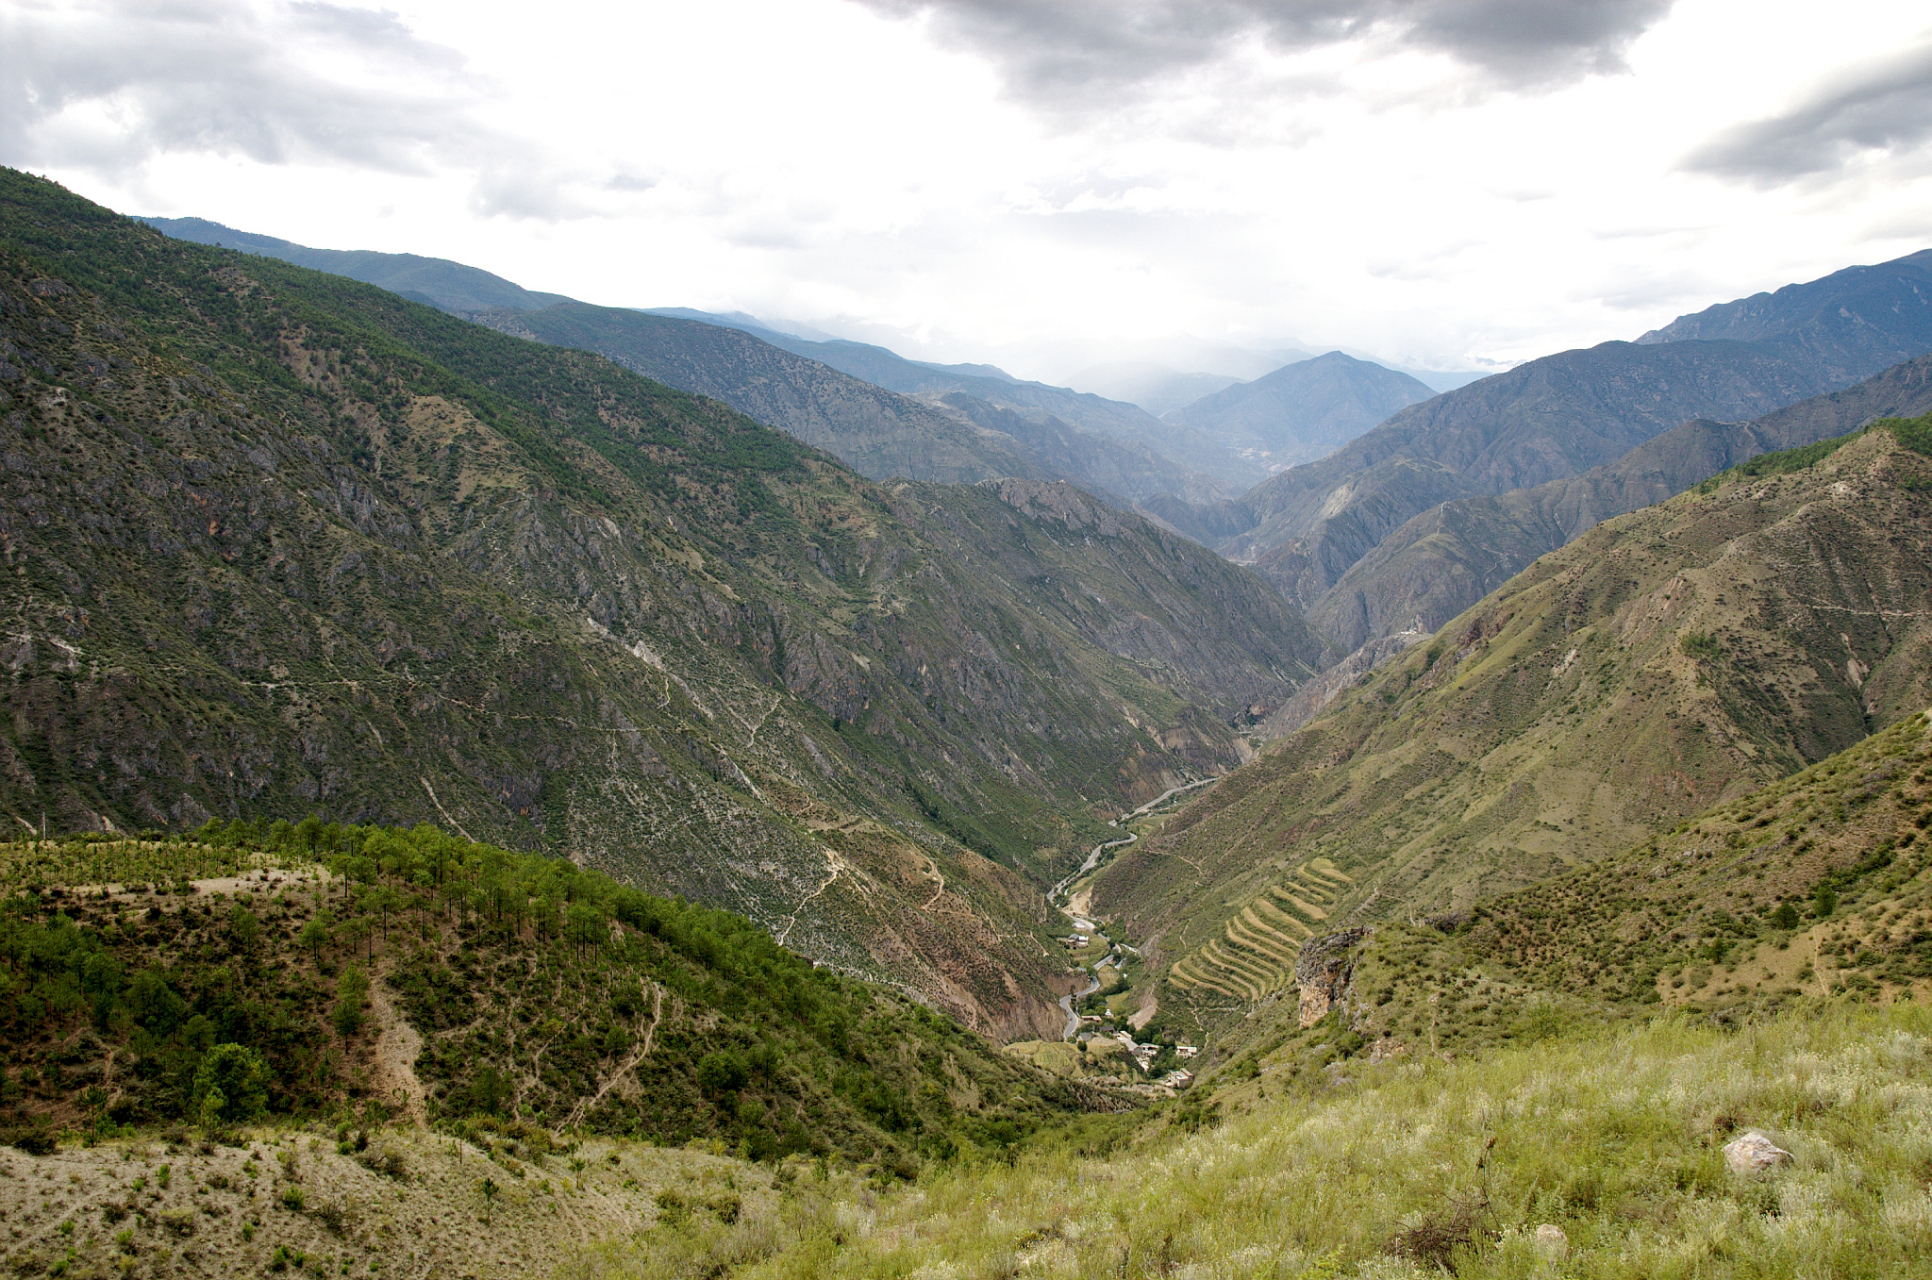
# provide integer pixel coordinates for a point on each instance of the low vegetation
(1418, 1166)
(376, 973)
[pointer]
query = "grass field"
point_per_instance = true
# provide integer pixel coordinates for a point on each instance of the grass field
(1414, 1166)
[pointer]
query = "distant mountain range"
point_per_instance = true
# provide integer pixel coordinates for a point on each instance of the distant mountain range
(1303, 411)
(1447, 558)
(1563, 414)
(1117, 420)
(1157, 388)
(864, 404)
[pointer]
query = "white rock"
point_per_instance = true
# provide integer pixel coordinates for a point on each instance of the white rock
(1753, 1153)
(1551, 1242)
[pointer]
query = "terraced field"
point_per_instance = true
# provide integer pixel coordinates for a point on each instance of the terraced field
(1256, 951)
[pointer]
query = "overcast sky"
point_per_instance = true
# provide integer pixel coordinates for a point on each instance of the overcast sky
(1449, 183)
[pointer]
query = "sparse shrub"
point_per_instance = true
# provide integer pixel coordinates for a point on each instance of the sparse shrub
(672, 1209)
(333, 1214)
(231, 1086)
(1443, 1237)
(391, 1163)
(293, 1198)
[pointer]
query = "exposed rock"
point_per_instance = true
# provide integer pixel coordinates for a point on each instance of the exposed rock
(1322, 972)
(1551, 1242)
(1754, 1153)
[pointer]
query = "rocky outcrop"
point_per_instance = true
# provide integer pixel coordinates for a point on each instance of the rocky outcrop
(1323, 970)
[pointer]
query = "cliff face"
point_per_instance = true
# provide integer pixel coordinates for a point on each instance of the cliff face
(277, 543)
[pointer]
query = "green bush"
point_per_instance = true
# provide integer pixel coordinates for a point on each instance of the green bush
(231, 1085)
(723, 1071)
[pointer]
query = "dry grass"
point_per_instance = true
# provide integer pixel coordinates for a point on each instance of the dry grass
(1615, 1138)
(411, 1204)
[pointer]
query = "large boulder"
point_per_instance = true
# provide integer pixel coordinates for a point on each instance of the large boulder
(1752, 1152)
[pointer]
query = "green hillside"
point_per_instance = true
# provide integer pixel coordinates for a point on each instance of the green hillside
(1667, 660)
(1814, 891)
(257, 974)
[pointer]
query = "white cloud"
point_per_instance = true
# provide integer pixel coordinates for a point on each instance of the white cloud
(1447, 182)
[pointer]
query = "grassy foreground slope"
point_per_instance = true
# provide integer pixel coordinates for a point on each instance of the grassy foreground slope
(1402, 1169)
(1667, 660)
(325, 972)
(1407, 1169)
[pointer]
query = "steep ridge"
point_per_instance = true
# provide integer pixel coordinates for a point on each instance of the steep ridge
(437, 282)
(1302, 411)
(1678, 656)
(1557, 417)
(1181, 445)
(878, 433)
(1444, 560)
(1860, 318)
(282, 542)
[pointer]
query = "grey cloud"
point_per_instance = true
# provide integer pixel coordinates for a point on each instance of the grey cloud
(1061, 52)
(1881, 106)
(224, 78)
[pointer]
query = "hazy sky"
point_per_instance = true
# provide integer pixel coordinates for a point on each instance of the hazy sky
(1450, 183)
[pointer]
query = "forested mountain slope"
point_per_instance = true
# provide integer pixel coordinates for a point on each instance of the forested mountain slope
(282, 542)
(1444, 560)
(1666, 660)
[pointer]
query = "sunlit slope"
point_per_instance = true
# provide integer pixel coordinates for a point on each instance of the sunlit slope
(1820, 884)
(1669, 659)
(1815, 888)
